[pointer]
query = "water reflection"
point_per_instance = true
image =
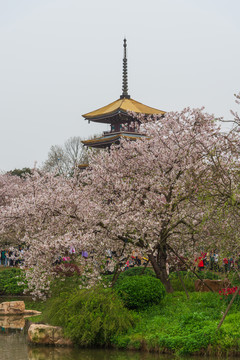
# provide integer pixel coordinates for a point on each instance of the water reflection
(11, 322)
(14, 346)
(79, 354)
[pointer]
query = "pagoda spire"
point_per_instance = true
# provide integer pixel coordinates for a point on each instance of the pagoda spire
(125, 73)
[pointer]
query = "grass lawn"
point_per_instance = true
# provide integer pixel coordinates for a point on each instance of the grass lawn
(185, 326)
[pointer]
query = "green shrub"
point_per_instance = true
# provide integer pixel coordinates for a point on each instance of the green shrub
(107, 279)
(188, 282)
(139, 292)
(207, 274)
(234, 278)
(134, 271)
(89, 317)
(12, 282)
(66, 284)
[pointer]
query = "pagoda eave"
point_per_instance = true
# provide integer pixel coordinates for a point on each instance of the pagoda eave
(108, 140)
(111, 117)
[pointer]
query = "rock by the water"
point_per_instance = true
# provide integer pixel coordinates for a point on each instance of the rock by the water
(215, 285)
(12, 308)
(16, 308)
(31, 313)
(47, 335)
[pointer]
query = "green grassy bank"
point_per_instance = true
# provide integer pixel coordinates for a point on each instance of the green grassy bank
(98, 317)
(185, 326)
(168, 323)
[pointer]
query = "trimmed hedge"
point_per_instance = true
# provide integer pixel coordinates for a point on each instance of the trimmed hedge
(140, 292)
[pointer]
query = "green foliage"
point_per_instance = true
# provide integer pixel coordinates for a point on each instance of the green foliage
(107, 279)
(21, 172)
(139, 292)
(185, 326)
(234, 278)
(137, 271)
(94, 317)
(10, 280)
(66, 284)
(89, 317)
(207, 274)
(189, 279)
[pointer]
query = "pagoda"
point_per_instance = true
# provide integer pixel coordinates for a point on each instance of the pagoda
(116, 114)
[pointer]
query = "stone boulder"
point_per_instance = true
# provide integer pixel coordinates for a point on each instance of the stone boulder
(215, 285)
(29, 313)
(12, 308)
(41, 334)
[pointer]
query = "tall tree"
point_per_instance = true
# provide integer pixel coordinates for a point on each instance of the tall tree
(64, 159)
(146, 193)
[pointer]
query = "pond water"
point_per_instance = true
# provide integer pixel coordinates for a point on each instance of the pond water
(14, 346)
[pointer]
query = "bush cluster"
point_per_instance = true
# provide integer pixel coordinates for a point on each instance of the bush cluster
(139, 292)
(10, 280)
(89, 317)
(227, 293)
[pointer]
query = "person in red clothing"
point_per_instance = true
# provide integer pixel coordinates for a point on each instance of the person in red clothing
(200, 263)
(225, 261)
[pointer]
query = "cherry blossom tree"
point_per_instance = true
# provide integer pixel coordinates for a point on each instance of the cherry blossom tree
(45, 214)
(222, 188)
(146, 192)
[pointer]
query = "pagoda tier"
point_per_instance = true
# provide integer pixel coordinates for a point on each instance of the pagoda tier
(118, 111)
(110, 138)
(117, 115)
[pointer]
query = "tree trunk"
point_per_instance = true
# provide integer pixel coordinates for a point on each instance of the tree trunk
(116, 275)
(159, 266)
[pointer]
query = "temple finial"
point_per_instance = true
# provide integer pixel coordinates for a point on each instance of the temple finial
(125, 74)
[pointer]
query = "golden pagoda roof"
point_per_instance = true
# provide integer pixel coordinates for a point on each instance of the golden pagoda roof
(122, 105)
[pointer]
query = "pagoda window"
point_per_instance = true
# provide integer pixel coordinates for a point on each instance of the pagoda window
(117, 127)
(112, 128)
(131, 127)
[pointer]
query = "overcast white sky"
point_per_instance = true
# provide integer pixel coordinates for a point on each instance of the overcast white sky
(63, 58)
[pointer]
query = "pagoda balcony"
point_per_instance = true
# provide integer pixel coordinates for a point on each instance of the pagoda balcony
(112, 132)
